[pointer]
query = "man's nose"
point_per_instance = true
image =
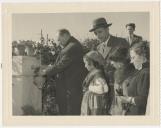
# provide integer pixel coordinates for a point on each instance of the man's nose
(99, 37)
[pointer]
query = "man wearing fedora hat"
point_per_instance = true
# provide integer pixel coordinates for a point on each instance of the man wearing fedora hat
(108, 44)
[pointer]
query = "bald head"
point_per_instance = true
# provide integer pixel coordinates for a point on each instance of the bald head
(63, 36)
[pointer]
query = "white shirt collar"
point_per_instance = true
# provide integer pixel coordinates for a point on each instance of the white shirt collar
(106, 42)
(131, 36)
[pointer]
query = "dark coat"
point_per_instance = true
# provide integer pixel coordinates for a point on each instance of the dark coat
(138, 87)
(135, 39)
(114, 44)
(120, 75)
(70, 72)
(124, 72)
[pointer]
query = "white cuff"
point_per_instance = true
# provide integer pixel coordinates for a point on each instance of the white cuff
(131, 100)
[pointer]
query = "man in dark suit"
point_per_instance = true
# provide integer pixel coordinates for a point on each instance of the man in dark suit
(70, 72)
(108, 45)
(132, 38)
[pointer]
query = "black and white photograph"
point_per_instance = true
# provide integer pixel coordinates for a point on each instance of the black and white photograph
(82, 64)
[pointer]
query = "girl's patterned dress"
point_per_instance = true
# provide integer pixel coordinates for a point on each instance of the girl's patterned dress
(95, 88)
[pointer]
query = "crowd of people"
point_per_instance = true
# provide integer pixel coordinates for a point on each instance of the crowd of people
(111, 79)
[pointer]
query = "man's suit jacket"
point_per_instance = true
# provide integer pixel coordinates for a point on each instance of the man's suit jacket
(114, 44)
(135, 39)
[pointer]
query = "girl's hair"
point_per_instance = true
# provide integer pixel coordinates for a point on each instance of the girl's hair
(97, 60)
(96, 65)
(142, 49)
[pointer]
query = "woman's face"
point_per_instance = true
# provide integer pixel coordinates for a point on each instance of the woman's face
(136, 59)
(88, 64)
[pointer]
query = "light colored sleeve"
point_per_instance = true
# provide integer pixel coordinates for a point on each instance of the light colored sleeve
(99, 86)
(131, 100)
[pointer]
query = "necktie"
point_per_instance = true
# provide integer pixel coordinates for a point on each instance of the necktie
(104, 47)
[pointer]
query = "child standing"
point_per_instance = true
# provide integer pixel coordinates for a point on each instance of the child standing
(94, 86)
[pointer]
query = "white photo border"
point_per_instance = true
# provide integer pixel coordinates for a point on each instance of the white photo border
(9, 9)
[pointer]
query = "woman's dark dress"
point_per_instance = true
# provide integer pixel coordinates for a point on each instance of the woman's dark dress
(138, 87)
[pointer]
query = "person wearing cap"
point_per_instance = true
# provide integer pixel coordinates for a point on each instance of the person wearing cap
(108, 44)
(69, 73)
(132, 38)
(121, 62)
(95, 85)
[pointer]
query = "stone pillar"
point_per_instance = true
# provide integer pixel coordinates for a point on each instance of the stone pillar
(26, 97)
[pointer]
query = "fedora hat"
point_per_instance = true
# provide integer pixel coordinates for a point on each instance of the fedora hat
(99, 22)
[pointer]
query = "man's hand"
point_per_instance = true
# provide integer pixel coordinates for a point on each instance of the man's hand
(43, 71)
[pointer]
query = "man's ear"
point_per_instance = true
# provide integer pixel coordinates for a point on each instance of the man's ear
(64, 36)
(107, 29)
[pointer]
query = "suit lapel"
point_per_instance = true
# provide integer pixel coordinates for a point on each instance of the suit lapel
(127, 39)
(110, 46)
(111, 49)
(63, 51)
(59, 56)
(134, 38)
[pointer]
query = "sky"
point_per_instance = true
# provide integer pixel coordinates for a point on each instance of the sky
(28, 26)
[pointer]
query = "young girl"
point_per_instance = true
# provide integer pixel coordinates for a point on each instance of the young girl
(94, 86)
